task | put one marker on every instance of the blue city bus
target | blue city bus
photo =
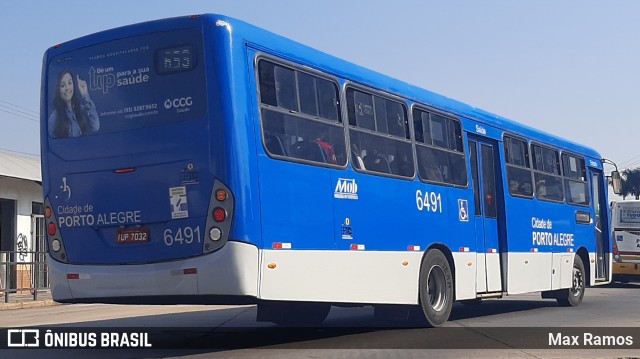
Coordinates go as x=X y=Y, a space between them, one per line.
x=201 y=159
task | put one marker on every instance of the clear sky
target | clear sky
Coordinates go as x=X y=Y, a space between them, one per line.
x=567 y=67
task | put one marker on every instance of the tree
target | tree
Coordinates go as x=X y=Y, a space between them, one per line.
x=631 y=183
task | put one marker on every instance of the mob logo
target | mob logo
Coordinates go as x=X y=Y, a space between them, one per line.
x=346 y=188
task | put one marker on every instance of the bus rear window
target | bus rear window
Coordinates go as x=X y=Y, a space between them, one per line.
x=126 y=84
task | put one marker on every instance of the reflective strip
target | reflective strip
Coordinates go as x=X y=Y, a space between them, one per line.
x=279 y=245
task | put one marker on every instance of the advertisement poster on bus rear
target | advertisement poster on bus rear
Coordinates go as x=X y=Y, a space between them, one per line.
x=126 y=84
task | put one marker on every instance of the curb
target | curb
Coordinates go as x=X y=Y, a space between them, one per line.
x=27 y=304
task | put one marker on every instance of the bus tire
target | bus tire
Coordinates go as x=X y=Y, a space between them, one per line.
x=436 y=288
x=572 y=297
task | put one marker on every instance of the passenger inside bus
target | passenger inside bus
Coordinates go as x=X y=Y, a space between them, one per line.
x=514 y=187
x=308 y=150
x=431 y=170
x=401 y=165
x=330 y=155
x=376 y=161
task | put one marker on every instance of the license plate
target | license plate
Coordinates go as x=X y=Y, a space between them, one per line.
x=132 y=235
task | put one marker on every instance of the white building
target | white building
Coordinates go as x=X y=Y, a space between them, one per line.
x=20 y=199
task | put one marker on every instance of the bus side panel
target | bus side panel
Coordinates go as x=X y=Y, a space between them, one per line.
x=237 y=143
x=522 y=269
x=562 y=273
x=340 y=276
x=465 y=252
x=541 y=236
x=384 y=214
x=465 y=274
x=296 y=204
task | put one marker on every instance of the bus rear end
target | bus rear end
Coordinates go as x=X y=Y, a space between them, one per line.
x=136 y=208
x=626 y=231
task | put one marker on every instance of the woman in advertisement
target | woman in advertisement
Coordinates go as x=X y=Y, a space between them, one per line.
x=74 y=114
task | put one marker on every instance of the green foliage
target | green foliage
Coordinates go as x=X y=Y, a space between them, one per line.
x=631 y=183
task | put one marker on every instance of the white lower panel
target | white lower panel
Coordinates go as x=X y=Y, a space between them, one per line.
x=592 y=268
x=341 y=276
x=562 y=274
x=466 y=268
x=494 y=276
x=233 y=270
x=528 y=272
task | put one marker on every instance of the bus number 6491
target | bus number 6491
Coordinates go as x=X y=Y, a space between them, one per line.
x=429 y=201
x=184 y=235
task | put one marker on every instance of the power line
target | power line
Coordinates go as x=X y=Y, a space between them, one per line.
x=18 y=115
x=20 y=107
x=19 y=111
x=629 y=160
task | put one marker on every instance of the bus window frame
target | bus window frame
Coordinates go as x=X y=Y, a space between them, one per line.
x=299 y=114
x=506 y=164
x=587 y=181
x=449 y=116
x=348 y=128
x=534 y=171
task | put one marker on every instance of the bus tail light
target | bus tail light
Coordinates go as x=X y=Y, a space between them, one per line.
x=616 y=254
x=220 y=217
x=51 y=229
x=219 y=214
x=215 y=234
x=56 y=246
x=54 y=238
x=221 y=195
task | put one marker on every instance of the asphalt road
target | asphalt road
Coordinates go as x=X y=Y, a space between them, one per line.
x=518 y=326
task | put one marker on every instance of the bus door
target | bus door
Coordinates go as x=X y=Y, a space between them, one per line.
x=488 y=202
x=601 y=228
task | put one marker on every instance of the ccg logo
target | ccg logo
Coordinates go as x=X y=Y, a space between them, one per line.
x=178 y=102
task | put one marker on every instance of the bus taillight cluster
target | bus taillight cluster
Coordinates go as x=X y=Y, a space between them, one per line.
x=56 y=247
x=220 y=217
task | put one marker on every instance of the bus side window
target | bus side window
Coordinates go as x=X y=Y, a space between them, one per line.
x=300 y=117
x=379 y=134
x=274 y=145
x=546 y=174
x=439 y=148
x=356 y=155
x=518 y=168
x=308 y=150
x=575 y=180
x=376 y=162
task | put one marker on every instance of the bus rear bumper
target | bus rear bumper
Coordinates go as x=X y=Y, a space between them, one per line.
x=230 y=272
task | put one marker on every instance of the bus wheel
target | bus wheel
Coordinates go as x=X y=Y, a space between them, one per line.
x=572 y=297
x=436 y=288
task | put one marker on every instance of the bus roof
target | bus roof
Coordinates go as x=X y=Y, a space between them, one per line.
x=269 y=42
x=322 y=61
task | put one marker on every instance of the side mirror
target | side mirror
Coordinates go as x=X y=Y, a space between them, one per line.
x=616 y=182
